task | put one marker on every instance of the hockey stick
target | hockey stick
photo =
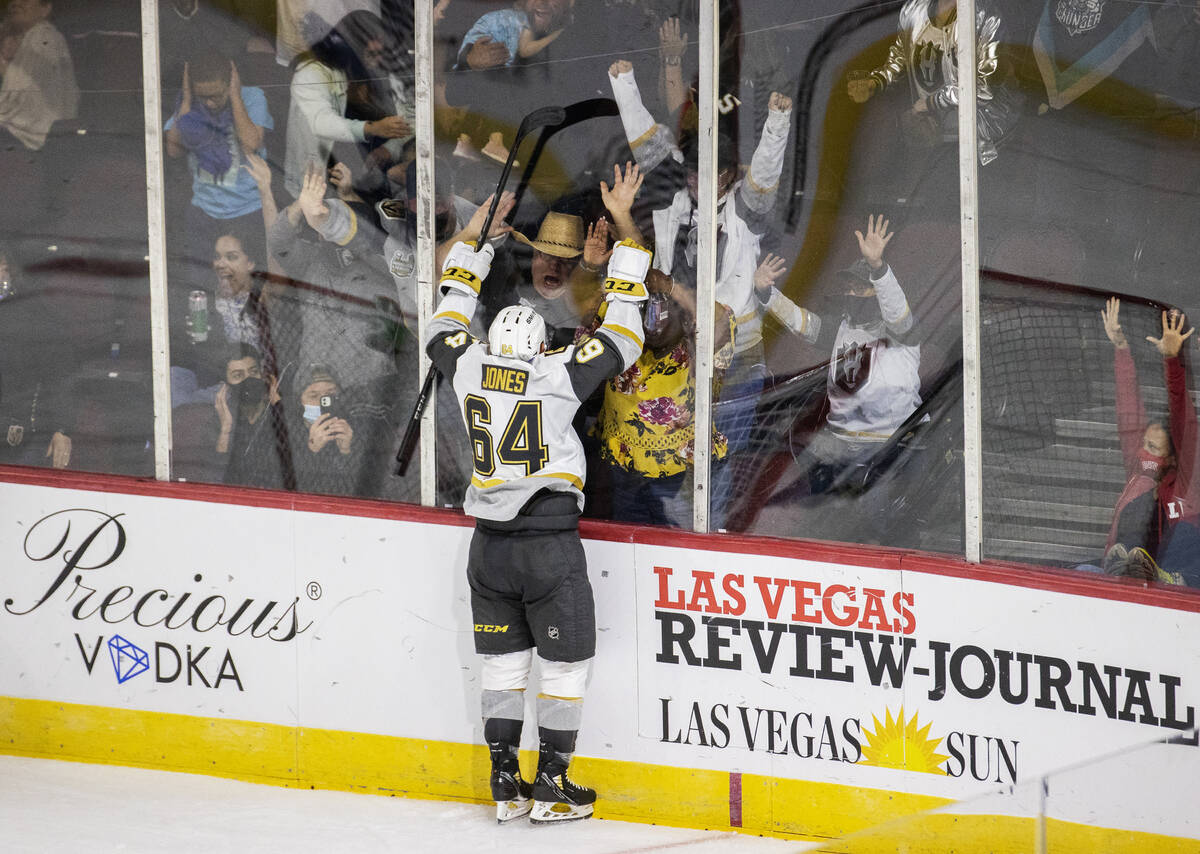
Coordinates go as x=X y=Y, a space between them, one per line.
x=592 y=108
x=539 y=118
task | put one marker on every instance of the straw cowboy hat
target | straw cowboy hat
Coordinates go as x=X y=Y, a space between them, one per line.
x=560 y=235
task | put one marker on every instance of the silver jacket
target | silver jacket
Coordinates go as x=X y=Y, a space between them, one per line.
x=928 y=54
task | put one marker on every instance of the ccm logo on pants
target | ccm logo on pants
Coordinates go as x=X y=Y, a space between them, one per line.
x=480 y=627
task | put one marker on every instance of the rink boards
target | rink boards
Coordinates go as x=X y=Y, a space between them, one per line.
x=771 y=686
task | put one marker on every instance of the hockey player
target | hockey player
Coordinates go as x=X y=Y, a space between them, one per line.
x=526 y=569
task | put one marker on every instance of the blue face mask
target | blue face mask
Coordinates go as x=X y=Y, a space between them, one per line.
x=312 y=412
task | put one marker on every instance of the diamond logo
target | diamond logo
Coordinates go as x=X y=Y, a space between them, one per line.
x=128 y=659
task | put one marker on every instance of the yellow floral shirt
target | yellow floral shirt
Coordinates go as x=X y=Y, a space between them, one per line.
x=645 y=424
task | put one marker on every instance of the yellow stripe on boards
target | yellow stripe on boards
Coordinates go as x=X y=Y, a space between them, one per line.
x=826 y=810
x=630 y=791
x=244 y=750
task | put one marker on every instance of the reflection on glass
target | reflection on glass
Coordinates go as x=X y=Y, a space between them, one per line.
x=293 y=354
x=75 y=387
x=577 y=191
x=1087 y=203
x=1089 y=432
x=838 y=260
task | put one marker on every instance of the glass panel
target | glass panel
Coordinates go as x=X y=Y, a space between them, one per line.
x=1090 y=197
x=75 y=376
x=293 y=346
x=601 y=62
x=840 y=262
x=1135 y=798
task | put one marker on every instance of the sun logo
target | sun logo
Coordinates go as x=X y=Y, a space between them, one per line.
x=900 y=744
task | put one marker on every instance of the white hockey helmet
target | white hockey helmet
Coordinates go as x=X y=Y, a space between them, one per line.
x=518 y=332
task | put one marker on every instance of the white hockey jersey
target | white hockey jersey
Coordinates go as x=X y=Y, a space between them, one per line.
x=874 y=382
x=518 y=414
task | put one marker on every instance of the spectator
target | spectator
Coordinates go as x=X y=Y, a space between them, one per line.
x=556 y=252
x=873 y=385
x=455 y=219
x=327 y=454
x=34 y=380
x=925 y=48
x=646 y=422
x=1161 y=487
x=235 y=288
x=253 y=434
x=188 y=29
x=671 y=186
x=218 y=123
x=38 y=87
x=500 y=37
x=321 y=82
x=336 y=280
x=234 y=316
x=298 y=23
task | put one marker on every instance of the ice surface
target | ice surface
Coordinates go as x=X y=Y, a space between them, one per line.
x=53 y=807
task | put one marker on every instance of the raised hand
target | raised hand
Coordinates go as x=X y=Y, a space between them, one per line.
x=620 y=67
x=595 y=247
x=485 y=53
x=312 y=195
x=624 y=190
x=876 y=240
x=769 y=271
x=235 y=81
x=498 y=226
x=861 y=88
x=672 y=44
x=1173 y=335
x=258 y=168
x=1111 y=315
x=779 y=102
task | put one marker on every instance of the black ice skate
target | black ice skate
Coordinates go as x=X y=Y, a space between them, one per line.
x=555 y=797
x=513 y=796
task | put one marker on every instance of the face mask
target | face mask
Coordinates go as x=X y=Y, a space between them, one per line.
x=312 y=412
x=1151 y=465
x=657 y=314
x=251 y=392
x=860 y=311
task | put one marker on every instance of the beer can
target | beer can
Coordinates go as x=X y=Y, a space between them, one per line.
x=198 y=316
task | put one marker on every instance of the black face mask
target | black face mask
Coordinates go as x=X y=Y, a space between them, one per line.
x=860 y=311
x=250 y=393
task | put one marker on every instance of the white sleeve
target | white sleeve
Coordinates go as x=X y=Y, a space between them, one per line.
x=650 y=142
x=623 y=326
x=799 y=320
x=312 y=96
x=767 y=163
x=454 y=313
x=893 y=305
